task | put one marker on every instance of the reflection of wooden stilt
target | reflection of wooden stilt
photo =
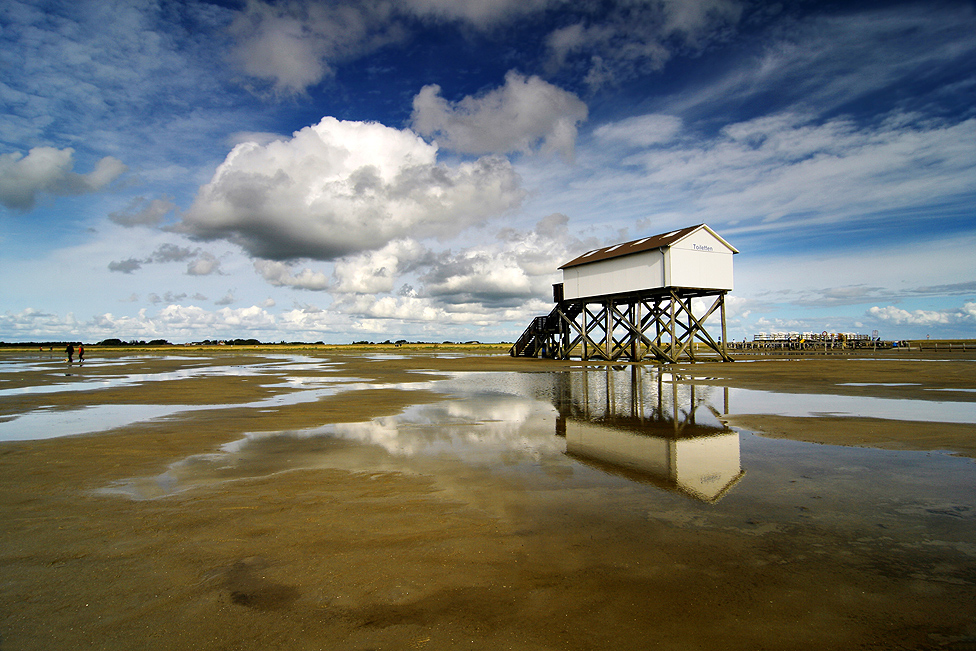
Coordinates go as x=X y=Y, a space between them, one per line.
x=660 y=395
x=636 y=394
x=674 y=403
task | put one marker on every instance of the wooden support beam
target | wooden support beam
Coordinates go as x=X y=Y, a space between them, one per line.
x=632 y=328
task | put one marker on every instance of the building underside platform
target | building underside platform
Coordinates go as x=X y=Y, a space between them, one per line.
x=653 y=326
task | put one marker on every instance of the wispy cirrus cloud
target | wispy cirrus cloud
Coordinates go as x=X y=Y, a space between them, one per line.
x=804 y=64
x=107 y=77
x=789 y=171
x=633 y=39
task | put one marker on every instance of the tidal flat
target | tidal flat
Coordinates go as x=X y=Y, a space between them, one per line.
x=256 y=499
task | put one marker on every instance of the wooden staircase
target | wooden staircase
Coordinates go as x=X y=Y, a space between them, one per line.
x=542 y=333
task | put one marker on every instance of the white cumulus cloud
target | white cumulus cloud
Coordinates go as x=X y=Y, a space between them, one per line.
x=338 y=188
x=377 y=271
x=49 y=170
x=294 y=44
x=281 y=274
x=508 y=277
x=898 y=316
x=525 y=114
x=204 y=265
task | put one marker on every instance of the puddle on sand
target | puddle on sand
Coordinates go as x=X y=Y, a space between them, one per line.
x=614 y=428
x=637 y=451
x=557 y=453
x=751 y=401
x=635 y=429
x=82 y=378
x=616 y=461
x=49 y=422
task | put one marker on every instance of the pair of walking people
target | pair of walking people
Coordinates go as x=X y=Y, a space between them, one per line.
x=70 y=352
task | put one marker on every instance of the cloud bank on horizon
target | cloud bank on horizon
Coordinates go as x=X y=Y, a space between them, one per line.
x=339 y=171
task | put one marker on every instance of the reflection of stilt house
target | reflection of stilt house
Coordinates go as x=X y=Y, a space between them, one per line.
x=645 y=431
x=634 y=301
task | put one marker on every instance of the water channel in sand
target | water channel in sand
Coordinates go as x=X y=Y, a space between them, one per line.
x=639 y=430
x=628 y=448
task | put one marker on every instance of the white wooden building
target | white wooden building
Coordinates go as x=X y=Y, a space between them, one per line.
x=690 y=258
x=636 y=300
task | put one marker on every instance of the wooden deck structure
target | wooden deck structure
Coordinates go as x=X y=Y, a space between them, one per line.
x=639 y=327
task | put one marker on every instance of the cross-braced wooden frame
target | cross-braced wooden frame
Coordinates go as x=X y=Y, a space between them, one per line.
x=639 y=327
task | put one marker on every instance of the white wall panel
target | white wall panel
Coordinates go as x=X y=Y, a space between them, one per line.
x=697 y=261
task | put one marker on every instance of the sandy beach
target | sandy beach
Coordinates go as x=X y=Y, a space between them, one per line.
x=325 y=541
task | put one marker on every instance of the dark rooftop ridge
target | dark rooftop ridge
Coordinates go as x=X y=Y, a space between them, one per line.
x=636 y=246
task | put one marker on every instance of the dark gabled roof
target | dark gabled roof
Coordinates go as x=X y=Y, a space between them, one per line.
x=636 y=246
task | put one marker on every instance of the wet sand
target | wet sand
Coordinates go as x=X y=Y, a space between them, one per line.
x=901 y=376
x=339 y=558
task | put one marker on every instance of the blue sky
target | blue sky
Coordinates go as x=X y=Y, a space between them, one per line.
x=306 y=171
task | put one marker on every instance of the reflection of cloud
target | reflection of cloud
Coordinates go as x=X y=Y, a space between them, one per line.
x=486 y=419
x=472 y=427
x=468 y=428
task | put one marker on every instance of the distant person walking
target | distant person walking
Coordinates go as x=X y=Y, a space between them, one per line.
x=70 y=352
x=81 y=352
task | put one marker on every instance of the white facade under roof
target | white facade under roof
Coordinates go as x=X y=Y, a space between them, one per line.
x=695 y=258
